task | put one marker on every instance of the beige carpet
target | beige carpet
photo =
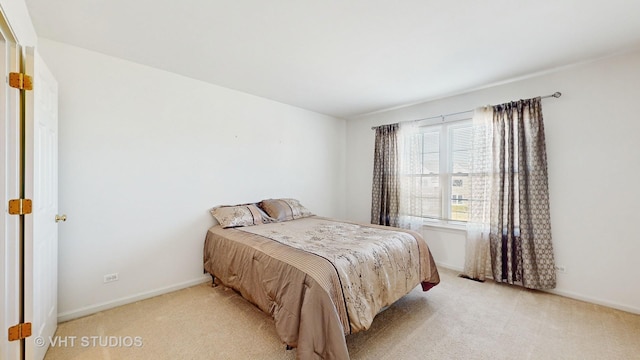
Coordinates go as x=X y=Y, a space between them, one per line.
x=458 y=319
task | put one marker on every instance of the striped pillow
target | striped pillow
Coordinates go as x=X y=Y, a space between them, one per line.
x=284 y=209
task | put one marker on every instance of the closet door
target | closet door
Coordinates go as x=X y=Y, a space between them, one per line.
x=41 y=185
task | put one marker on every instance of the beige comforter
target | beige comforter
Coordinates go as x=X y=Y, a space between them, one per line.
x=320 y=279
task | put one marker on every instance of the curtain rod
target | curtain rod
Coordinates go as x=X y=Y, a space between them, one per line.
x=556 y=95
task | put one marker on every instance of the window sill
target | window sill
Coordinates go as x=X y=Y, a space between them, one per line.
x=443 y=225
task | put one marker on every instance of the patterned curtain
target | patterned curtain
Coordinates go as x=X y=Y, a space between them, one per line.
x=384 y=195
x=519 y=227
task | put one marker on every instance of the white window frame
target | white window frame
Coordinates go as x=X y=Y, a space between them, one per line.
x=446 y=172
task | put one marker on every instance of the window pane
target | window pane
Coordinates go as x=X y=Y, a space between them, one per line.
x=460 y=146
x=431 y=196
x=430 y=163
x=461 y=138
x=431 y=187
x=426 y=161
x=431 y=142
x=460 y=193
x=461 y=161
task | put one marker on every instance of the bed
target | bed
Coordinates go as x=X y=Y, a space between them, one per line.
x=319 y=278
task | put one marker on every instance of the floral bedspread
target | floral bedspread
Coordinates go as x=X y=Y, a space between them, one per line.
x=376 y=266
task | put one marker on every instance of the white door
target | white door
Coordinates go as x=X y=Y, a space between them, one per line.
x=9 y=189
x=41 y=185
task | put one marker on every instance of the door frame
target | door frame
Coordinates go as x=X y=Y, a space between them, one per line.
x=11 y=251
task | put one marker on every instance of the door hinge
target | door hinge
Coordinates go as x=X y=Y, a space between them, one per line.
x=20 y=206
x=20 y=331
x=20 y=81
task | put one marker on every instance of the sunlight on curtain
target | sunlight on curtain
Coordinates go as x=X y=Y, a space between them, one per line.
x=477 y=264
x=410 y=164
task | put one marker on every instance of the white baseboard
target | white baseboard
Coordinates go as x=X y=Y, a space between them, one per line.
x=596 y=301
x=88 y=310
x=92 y=309
x=569 y=294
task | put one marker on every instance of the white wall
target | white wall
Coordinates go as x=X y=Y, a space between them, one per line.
x=594 y=167
x=144 y=154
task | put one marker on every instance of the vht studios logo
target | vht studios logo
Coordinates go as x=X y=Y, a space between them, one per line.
x=90 y=341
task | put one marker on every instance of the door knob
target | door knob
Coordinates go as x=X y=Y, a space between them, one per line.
x=62 y=217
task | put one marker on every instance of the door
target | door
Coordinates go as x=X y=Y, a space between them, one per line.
x=10 y=298
x=41 y=185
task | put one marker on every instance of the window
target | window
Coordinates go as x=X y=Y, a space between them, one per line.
x=439 y=171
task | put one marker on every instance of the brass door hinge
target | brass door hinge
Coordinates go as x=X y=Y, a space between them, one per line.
x=20 y=206
x=20 y=331
x=20 y=81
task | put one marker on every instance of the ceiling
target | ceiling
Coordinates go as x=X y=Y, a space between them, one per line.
x=345 y=57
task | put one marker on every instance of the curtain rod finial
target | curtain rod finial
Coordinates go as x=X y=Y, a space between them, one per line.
x=557 y=94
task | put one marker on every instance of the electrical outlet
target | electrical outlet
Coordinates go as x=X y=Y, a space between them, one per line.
x=110 y=278
x=560 y=268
